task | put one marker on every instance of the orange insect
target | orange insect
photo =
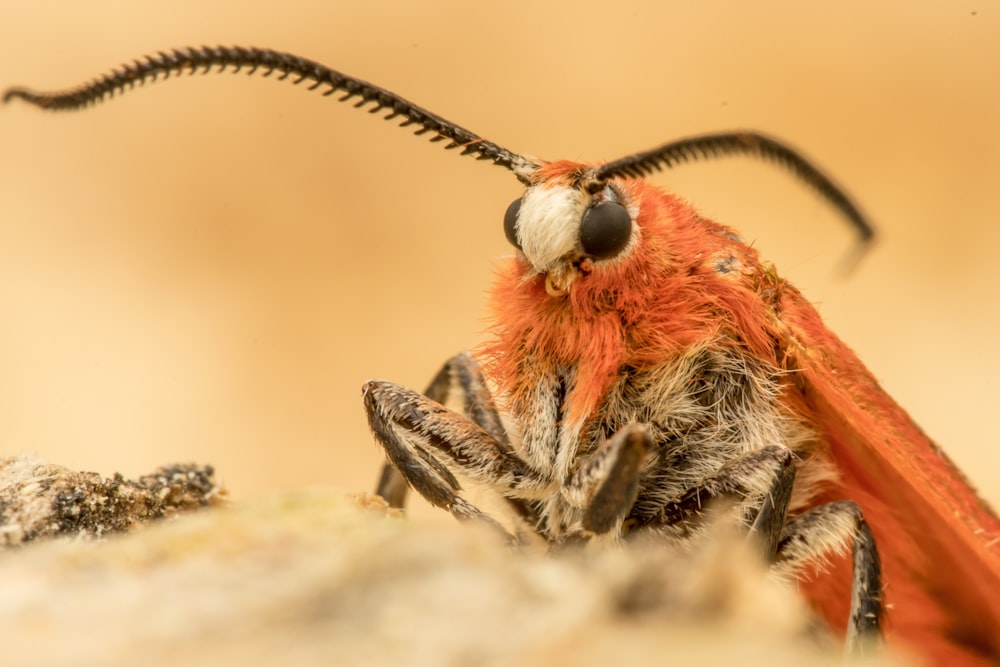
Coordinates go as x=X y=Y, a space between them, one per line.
x=646 y=362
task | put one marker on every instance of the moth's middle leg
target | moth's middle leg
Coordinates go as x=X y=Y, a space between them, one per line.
x=789 y=544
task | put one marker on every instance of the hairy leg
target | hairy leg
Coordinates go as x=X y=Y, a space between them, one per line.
x=790 y=544
x=459 y=375
x=826 y=530
x=425 y=441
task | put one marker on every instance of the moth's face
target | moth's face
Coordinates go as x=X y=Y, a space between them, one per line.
x=564 y=232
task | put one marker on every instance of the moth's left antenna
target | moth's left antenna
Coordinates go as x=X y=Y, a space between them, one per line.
x=266 y=62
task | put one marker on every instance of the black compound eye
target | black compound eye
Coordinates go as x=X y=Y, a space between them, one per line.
x=510 y=222
x=605 y=229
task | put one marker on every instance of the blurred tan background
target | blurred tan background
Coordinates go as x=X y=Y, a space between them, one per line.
x=209 y=269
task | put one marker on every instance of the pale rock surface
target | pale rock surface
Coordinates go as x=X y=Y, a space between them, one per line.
x=318 y=577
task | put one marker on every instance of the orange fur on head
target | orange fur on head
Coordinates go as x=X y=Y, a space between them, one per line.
x=660 y=299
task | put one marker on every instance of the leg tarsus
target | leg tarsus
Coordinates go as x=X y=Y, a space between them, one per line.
x=466 y=511
x=864 y=628
x=392 y=486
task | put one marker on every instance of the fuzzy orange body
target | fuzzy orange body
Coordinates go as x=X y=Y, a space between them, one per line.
x=689 y=280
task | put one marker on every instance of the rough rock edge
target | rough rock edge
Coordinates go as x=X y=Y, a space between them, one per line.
x=40 y=500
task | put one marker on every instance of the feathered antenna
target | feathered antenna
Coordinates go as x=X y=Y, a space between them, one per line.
x=735 y=143
x=267 y=61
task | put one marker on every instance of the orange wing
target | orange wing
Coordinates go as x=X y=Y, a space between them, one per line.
x=939 y=542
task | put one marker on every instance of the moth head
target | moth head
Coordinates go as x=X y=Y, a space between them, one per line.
x=568 y=224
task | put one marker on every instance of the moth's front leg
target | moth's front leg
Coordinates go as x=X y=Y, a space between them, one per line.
x=425 y=442
x=461 y=376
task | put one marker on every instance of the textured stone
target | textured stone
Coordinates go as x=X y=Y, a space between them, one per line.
x=317 y=577
x=38 y=499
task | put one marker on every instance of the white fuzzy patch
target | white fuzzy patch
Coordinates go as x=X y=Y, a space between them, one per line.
x=548 y=226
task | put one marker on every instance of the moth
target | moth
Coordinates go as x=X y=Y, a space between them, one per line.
x=644 y=364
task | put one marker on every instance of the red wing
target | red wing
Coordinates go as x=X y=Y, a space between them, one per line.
x=939 y=542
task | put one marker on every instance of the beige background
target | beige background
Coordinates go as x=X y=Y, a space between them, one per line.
x=209 y=269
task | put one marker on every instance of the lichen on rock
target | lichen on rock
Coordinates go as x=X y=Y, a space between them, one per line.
x=40 y=500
